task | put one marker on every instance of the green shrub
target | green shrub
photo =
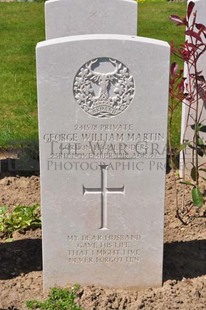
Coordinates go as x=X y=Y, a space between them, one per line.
x=21 y=219
x=58 y=299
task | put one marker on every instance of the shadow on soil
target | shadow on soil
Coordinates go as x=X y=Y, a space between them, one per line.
x=184 y=259
x=10 y=308
x=18 y=167
x=21 y=160
x=22 y=256
x=181 y=259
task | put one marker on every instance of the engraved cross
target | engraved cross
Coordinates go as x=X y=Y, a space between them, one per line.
x=104 y=191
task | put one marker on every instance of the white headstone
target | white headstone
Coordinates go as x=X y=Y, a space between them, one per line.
x=103 y=131
x=188 y=134
x=76 y=17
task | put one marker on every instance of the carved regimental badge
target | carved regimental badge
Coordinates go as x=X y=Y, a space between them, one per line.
x=103 y=87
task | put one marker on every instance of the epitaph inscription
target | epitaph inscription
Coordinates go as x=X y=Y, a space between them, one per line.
x=107 y=248
x=104 y=190
x=104 y=87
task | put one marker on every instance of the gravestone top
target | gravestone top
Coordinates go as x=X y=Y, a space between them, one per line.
x=78 y=17
x=103 y=171
x=103 y=37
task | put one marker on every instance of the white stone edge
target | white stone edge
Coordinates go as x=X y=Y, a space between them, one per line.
x=102 y=37
x=130 y=1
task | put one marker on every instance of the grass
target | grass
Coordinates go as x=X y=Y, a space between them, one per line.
x=22 y=26
x=154 y=23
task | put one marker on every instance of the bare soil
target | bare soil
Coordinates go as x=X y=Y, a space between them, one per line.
x=184 y=280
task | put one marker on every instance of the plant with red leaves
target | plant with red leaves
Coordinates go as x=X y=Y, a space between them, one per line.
x=192 y=92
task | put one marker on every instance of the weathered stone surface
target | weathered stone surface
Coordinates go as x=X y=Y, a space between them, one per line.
x=76 y=17
x=103 y=123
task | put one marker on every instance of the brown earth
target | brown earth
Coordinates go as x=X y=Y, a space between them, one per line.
x=184 y=280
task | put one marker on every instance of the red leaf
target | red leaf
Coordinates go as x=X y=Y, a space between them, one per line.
x=185 y=21
x=201 y=78
x=172 y=48
x=199 y=72
x=174 y=68
x=193 y=34
x=176 y=19
x=193 y=47
x=185 y=54
x=200 y=26
x=190 y=8
x=181 y=86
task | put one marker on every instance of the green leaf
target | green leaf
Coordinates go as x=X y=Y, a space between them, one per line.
x=194 y=174
x=3 y=210
x=191 y=146
x=197 y=197
x=202 y=128
x=183 y=146
x=63 y=299
x=20 y=219
x=200 y=142
x=9 y=240
x=2 y=227
x=200 y=151
x=199 y=127
x=194 y=126
x=187 y=183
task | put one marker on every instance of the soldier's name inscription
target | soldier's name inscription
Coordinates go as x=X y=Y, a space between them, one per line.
x=103 y=141
x=127 y=145
x=103 y=132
